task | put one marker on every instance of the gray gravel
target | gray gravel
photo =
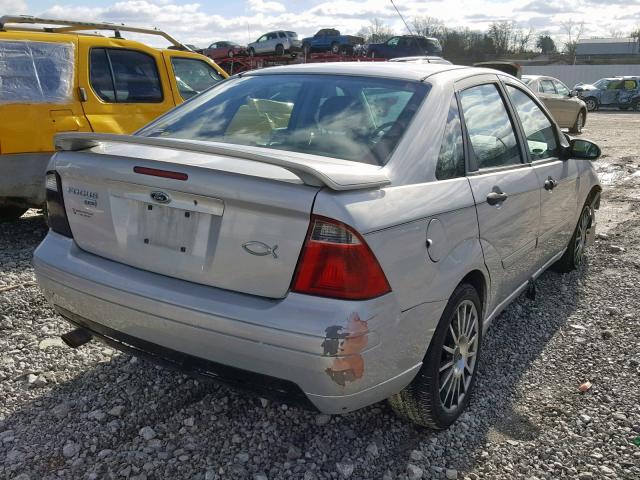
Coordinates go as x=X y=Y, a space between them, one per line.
x=94 y=413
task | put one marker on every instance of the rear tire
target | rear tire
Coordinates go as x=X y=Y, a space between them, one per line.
x=449 y=367
x=279 y=50
x=579 y=123
x=574 y=254
x=11 y=213
x=335 y=48
x=592 y=104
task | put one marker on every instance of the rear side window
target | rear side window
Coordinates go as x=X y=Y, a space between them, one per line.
x=451 y=158
x=547 y=86
x=124 y=76
x=490 y=130
x=630 y=85
x=540 y=132
x=36 y=72
x=193 y=76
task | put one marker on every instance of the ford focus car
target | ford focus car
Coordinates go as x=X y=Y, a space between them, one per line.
x=339 y=234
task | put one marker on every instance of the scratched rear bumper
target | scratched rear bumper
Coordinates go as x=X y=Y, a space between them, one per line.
x=343 y=355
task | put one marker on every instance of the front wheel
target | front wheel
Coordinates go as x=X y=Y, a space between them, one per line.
x=252 y=52
x=440 y=391
x=579 y=123
x=11 y=213
x=592 y=104
x=335 y=48
x=279 y=50
x=574 y=255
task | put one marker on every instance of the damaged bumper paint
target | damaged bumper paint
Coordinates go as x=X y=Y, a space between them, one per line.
x=342 y=354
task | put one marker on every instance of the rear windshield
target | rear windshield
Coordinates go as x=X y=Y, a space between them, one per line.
x=526 y=80
x=353 y=118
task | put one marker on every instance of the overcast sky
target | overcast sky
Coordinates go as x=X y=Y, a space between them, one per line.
x=243 y=21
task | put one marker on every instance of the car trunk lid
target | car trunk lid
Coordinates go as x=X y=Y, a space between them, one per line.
x=212 y=218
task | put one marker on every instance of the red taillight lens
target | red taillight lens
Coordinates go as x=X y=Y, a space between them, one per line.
x=336 y=262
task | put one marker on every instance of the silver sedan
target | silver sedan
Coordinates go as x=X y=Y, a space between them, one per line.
x=338 y=234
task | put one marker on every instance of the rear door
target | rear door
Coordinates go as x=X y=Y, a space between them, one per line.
x=557 y=178
x=505 y=187
x=126 y=86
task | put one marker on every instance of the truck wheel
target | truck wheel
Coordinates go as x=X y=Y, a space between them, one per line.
x=335 y=48
x=10 y=213
x=440 y=391
x=592 y=104
x=279 y=50
x=346 y=50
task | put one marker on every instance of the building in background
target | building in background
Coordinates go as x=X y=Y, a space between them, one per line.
x=608 y=47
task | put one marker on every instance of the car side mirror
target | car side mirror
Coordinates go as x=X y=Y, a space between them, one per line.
x=583 y=149
x=573 y=93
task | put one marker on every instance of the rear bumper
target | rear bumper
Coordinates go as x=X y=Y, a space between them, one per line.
x=22 y=178
x=342 y=355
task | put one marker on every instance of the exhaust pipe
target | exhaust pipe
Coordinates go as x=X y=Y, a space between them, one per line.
x=76 y=338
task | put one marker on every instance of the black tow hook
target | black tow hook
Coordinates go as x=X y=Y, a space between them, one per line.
x=76 y=338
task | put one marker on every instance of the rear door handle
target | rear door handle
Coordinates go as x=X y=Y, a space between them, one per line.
x=550 y=184
x=496 y=198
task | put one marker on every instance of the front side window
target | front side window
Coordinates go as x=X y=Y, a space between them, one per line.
x=193 y=76
x=489 y=128
x=561 y=88
x=540 y=132
x=451 y=158
x=393 y=42
x=124 y=76
x=353 y=118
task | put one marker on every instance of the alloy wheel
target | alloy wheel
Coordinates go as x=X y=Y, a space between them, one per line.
x=459 y=355
x=581 y=237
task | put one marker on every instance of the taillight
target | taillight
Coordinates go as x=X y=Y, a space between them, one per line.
x=336 y=262
x=57 y=216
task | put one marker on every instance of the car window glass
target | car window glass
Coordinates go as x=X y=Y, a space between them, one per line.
x=614 y=85
x=393 y=42
x=630 y=85
x=282 y=35
x=540 y=132
x=262 y=38
x=326 y=115
x=135 y=76
x=547 y=86
x=489 y=127
x=193 y=76
x=272 y=36
x=100 y=75
x=451 y=158
x=561 y=88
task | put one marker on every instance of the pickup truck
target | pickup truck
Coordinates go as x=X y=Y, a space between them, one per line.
x=330 y=40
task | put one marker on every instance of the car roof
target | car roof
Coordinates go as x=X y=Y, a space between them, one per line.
x=398 y=70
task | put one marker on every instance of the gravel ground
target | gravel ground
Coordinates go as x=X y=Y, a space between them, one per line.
x=94 y=413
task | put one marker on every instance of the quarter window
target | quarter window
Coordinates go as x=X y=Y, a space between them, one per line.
x=451 y=158
x=540 y=132
x=489 y=127
x=124 y=76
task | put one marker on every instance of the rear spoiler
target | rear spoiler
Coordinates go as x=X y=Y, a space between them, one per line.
x=312 y=169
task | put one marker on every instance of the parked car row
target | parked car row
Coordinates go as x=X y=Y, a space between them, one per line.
x=330 y=40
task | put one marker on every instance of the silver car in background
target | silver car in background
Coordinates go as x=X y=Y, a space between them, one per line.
x=568 y=110
x=339 y=233
x=279 y=42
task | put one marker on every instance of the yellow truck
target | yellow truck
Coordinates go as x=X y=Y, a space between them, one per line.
x=55 y=76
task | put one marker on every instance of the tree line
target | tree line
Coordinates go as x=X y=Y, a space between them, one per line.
x=504 y=38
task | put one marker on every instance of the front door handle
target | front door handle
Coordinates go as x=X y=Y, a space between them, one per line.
x=550 y=184
x=496 y=198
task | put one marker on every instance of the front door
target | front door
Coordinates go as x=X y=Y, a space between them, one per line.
x=505 y=188
x=557 y=178
x=124 y=88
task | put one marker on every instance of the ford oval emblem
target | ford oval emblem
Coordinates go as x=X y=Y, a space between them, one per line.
x=160 y=197
x=260 y=249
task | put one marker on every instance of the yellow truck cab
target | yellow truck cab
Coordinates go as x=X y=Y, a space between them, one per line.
x=58 y=78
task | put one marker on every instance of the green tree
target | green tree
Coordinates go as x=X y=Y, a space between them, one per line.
x=545 y=44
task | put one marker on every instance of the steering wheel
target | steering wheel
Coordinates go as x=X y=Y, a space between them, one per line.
x=381 y=129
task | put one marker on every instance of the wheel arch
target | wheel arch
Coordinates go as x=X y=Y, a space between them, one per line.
x=476 y=278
